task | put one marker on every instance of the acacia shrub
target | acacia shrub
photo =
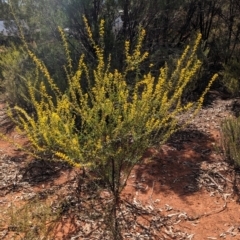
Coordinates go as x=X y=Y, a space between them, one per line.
x=107 y=125
x=15 y=67
x=117 y=121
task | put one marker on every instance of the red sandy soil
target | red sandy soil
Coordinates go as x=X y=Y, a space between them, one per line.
x=184 y=189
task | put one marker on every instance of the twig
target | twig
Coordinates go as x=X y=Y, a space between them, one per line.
x=152 y=203
x=226 y=179
x=219 y=188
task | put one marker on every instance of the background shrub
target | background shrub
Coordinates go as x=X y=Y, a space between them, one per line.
x=15 y=68
x=231 y=79
x=231 y=139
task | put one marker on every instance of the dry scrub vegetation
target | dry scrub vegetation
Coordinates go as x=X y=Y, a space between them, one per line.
x=86 y=173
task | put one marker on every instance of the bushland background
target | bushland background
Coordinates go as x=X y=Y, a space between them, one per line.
x=169 y=25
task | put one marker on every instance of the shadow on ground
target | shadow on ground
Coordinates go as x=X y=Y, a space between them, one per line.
x=176 y=166
x=38 y=171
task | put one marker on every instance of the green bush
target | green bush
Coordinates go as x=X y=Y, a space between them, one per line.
x=231 y=139
x=15 y=68
x=231 y=80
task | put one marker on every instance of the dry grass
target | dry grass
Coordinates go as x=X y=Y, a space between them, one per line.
x=33 y=219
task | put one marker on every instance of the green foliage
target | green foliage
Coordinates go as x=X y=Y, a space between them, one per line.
x=231 y=138
x=4 y=10
x=15 y=67
x=17 y=71
x=43 y=18
x=231 y=79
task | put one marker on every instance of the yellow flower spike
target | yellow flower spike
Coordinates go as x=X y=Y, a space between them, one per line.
x=89 y=32
x=107 y=139
x=101 y=28
x=67 y=159
x=66 y=48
